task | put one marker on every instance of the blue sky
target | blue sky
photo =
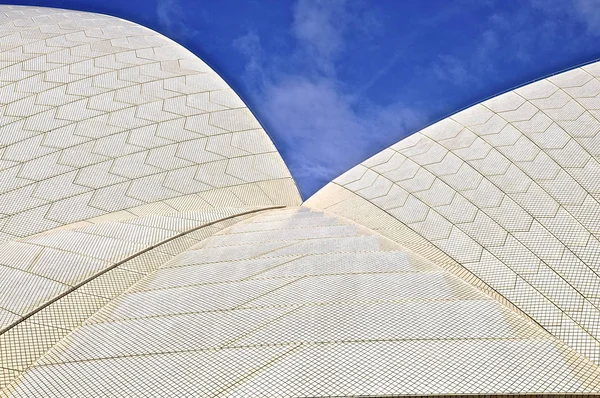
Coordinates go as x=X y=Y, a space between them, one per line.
x=335 y=81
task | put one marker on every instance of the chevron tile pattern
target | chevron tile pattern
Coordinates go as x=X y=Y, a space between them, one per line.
x=301 y=302
x=99 y=115
x=43 y=326
x=509 y=189
x=50 y=264
x=114 y=141
x=152 y=241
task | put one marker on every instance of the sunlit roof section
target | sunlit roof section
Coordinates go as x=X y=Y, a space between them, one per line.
x=153 y=242
x=294 y=302
x=508 y=190
x=100 y=115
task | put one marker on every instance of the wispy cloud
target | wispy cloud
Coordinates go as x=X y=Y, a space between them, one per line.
x=323 y=129
x=249 y=45
x=173 y=19
x=451 y=68
x=316 y=28
x=169 y=12
x=589 y=12
x=586 y=12
x=522 y=37
x=320 y=28
x=324 y=132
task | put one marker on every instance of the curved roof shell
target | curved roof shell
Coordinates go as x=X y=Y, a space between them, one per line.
x=508 y=193
x=99 y=115
x=114 y=140
x=145 y=251
x=294 y=302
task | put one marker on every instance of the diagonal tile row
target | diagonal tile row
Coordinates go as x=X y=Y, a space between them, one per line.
x=35 y=270
x=309 y=304
x=23 y=343
x=99 y=115
x=508 y=189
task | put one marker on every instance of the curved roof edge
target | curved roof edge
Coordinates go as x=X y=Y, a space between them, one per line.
x=102 y=115
x=509 y=190
x=499 y=93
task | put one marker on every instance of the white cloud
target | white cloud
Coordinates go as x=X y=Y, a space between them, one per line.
x=319 y=27
x=172 y=18
x=589 y=12
x=451 y=68
x=322 y=129
x=323 y=133
x=520 y=37
x=168 y=12
x=586 y=12
x=249 y=45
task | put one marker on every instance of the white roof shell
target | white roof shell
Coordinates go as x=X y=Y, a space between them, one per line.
x=508 y=191
x=145 y=252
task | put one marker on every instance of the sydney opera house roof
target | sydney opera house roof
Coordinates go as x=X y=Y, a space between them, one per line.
x=153 y=242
